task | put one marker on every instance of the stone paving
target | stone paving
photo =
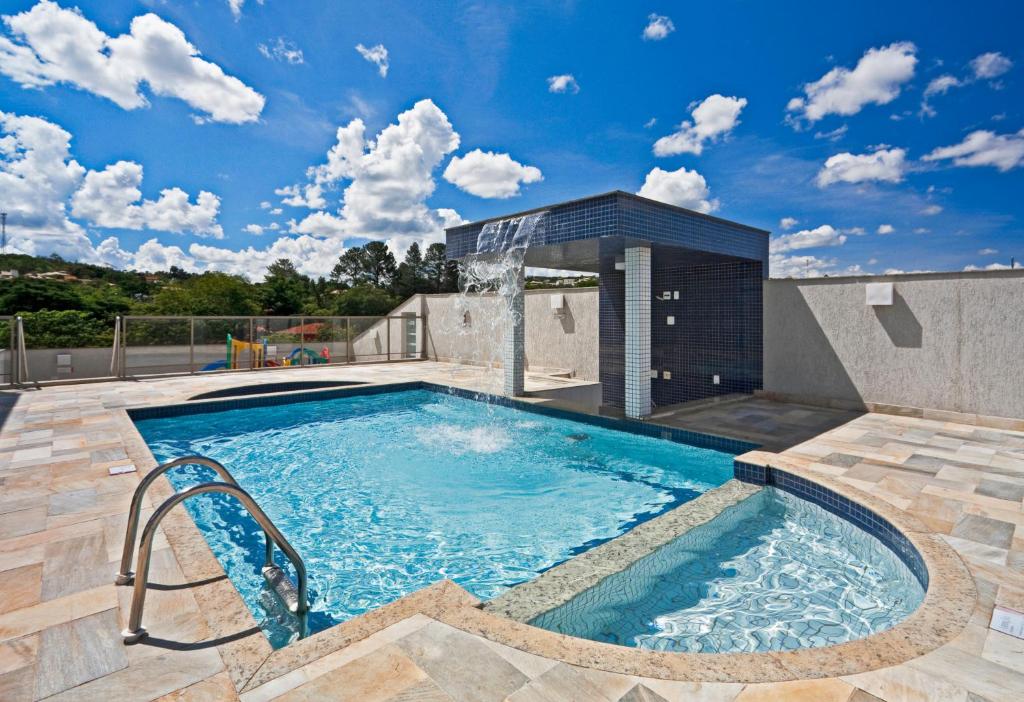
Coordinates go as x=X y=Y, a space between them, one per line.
x=62 y=516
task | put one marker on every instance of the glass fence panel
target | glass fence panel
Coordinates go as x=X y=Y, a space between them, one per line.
x=64 y=345
x=368 y=339
x=225 y=343
x=326 y=340
x=157 y=345
x=280 y=339
x=6 y=350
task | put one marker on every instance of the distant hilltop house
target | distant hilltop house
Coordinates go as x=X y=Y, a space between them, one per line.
x=52 y=275
x=8 y=275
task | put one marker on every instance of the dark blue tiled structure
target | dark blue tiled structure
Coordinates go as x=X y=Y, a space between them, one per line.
x=714 y=265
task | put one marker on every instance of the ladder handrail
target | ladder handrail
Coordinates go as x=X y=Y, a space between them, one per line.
x=135 y=631
x=125 y=575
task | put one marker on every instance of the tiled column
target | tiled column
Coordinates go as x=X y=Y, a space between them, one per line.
x=638 y=332
x=513 y=356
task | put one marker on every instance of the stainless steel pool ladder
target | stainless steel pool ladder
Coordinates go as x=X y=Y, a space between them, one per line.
x=294 y=598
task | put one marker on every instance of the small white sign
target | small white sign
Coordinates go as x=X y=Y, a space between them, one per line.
x=879 y=294
x=667 y=375
x=1008 y=621
x=670 y=321
x=121 y=470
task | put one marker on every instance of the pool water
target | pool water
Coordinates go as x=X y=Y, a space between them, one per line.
x=773 y=573
x=385 y=494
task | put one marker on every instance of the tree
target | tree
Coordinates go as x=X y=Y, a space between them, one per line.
x=364 y=300
x=441 y=274
x=284 y=291
x=372 y=264
x=411 y=276
x=28 y=295
x=206 y=294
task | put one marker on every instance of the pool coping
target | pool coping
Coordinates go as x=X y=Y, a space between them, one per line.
x=251 y=661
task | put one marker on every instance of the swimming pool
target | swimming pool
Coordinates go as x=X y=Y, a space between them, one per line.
x=383 y=494
x=774 y=572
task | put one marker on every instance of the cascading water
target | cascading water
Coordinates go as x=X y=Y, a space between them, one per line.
x=484 y=331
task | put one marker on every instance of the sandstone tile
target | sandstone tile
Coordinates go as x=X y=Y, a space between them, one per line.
x=215 y=689
x=19 y=653
x=25 y=521
x=376 y=677
x=984 y=530
x=21 y=587
x=459 y=665
x=18 y=685
x=79 y=651
x=74 y=564
x=29 y=620
x=563 y=683
x=148 y=680
x=825 y=690
x=642 y=693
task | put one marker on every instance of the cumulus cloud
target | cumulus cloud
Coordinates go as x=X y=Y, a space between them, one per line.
x=994 y=267
x=491 y=175
x=682 y=188
x=885 y=165
x=282 y=50
x=658 y=27
x=988 y=252
x=825 y=235
x=377 y=55
x=42 y=187
x=564 y=83
x=886 y=229
x=713 y=118
x=984 y=148
x=54 y=45
x=932 y=210
x=310 y=196
x=391 y=177
x=254 y=229
x=990 y=65
x=787 y=223
x=807 y=266
x=876 y=79
x=112 y=198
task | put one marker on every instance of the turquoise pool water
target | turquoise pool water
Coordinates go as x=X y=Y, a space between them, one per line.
x=385 y=494
x=773 y=573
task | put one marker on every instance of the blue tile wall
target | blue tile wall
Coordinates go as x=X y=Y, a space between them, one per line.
x=841 y=506
x=717 y=330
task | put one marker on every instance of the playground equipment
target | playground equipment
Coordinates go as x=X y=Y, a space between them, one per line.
x=259 y=358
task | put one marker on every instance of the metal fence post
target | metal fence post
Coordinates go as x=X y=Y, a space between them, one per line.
x=387 y=321
x=252 y=341
x=192 y=345
x=302 y=341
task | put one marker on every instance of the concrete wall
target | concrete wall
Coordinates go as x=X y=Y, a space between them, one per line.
x=567 y=342
x=950 y=341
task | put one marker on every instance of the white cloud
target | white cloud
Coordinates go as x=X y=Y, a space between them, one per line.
x=988 y=252
x=111 y=198
x=491 y=175
x=942 y=85
x=825 y=235
x=994 y=267
x=833 y=135
x=650 y=123
x=564 y=83
x=276 y=211
x=310 y=196
x=984 y=148
x=266 y=205
x=787 y=223
x=282 y=50
x=990 y=65
x=876 y=79
x=61 y=46
x=391 y=178
x=887 y=165
x=377 y=55
x=254 y=229
x=886 y=229
x=806 y=266
x=932 y=210
x=658 y=27
x=714 y=117
x=682 y=188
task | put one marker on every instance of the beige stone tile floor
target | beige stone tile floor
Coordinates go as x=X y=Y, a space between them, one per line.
x=62 y=517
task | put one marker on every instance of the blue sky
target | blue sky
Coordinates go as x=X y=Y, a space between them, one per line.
x=866 y=136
